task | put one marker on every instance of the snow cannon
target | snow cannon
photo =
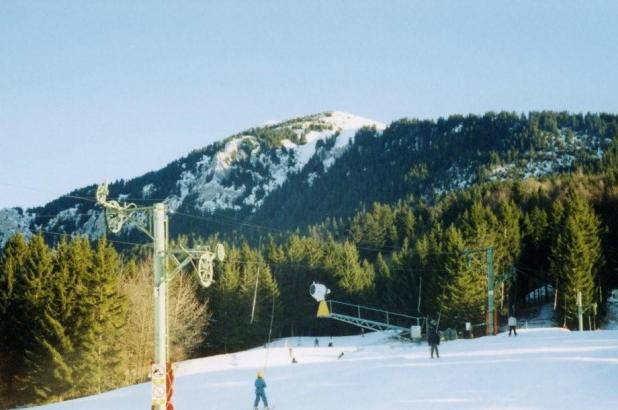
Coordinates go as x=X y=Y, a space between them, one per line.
x=319 y=293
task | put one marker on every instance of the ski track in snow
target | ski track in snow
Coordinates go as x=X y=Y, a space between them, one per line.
x=541 y=368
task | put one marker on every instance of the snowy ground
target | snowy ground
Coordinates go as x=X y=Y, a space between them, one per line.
x=541 y=368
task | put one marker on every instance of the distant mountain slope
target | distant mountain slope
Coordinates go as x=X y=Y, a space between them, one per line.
x=429 y=158
x=303 y=170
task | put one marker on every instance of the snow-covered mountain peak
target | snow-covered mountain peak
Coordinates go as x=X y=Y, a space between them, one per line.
x=319 y=126
x=263 y=158
x=344 y=121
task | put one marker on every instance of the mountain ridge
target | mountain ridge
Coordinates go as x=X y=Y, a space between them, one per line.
x=303 y=170
x=205 y=175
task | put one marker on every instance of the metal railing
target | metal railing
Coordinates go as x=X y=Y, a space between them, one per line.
x=372 y=318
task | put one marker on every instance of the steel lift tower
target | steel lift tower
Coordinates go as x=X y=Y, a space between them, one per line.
x=153 y=222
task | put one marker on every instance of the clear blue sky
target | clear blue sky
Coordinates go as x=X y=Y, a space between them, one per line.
x=95 y=90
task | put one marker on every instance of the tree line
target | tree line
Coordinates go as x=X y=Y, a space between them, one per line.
x=76 y=317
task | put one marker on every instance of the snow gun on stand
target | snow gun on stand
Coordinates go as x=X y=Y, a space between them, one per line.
x=362 y=316
x=319 y=293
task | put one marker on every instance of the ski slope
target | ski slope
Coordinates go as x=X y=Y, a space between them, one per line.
x=541 y=368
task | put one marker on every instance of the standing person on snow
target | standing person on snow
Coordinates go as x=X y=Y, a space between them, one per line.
x=433 y=338
x=512 y=325
x=260 y=385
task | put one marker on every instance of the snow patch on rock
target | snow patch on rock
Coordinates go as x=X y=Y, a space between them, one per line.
x=147 y=190
x=13 y=220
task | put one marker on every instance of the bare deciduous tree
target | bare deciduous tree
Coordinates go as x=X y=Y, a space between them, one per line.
x=187 y=319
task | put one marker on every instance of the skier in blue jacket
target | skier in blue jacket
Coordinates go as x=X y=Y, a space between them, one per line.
x=260 y=385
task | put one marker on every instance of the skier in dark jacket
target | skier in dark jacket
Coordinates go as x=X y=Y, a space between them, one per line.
x=433 y=338
x=260 y=385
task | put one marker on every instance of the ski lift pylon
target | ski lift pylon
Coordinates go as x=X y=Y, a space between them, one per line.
x=205 y=271
x=115 y=214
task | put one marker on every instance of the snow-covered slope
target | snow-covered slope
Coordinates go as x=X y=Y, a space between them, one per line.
x=539 y=369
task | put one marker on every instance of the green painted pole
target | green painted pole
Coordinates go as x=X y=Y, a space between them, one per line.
x=160 y=289
x=580 y=311
x=490 y=291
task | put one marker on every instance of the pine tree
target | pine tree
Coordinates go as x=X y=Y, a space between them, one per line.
x=72 y=262
x=375 y=229
x=482 y=228
x=341 y=262
x=431 y=255
x=576 y=256
x=42 y=337
x=103 y=324
x=508 y=243
x=12 y=273
x=58 y=343
x=226 y=303
x=403 y=286
x=535 y=235
x=383 y=277
x=303 y=264
x=405 y=223
x=610 y=162
x=509 y=232
x=464 y=298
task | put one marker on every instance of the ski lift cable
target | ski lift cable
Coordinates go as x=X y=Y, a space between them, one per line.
x=94 y=200
x=257 y=279
x=270 y=331
x=232 y=221
x=29 y=188
x=259 y=227
x=528 y=272
x=412 y=269
x=108 y=240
